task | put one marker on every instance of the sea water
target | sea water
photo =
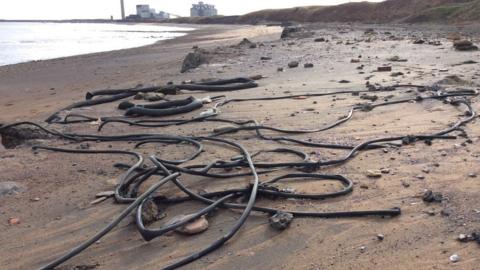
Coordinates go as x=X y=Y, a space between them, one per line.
x=28 y=41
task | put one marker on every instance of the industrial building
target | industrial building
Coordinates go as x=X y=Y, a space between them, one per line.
x=203 y=10
x=145 y=12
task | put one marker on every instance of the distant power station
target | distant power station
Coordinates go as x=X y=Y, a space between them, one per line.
x=203 y=10
x=145 y=13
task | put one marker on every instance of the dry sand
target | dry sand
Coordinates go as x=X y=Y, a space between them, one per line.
x=421 y=238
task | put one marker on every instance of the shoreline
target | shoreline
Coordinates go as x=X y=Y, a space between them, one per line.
x=184 y=31
x=61 y=78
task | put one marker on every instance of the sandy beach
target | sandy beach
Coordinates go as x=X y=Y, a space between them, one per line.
x=54 y=208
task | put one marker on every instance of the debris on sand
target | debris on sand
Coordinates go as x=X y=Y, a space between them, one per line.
x=308 y=65
x=281 y=220
x=195 y=227
x=453 y=80
x=14 y=136
x=10 y=188
x=194 y=60
x=320 y=40
x=293 y=64
x=455 y=258
x=295 y=32
x=396 y=58
x=150 y=212
x=246 y=43
x=13 y=221
x=384 y=69
x=430 y=197
x=374 y=173
x=464 y=45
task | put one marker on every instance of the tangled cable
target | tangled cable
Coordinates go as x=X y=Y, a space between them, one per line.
x=127 y=191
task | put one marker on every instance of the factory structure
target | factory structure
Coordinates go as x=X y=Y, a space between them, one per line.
x=145 y=13
x=203 y=10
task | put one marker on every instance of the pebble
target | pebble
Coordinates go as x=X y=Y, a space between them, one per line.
x=281 y=220
x=13 y=221
x=153 y=96
x=344 y=81
x=195 y=227
x=380 y=237
x=405 y=184
x=420 y=177
x=374 y=173
x=472 y=175
x=293 y=64
x=455 y=258
x=430 y=196
x=363 y=249
x=149 y=212
x=308 y=65
x=463 y=238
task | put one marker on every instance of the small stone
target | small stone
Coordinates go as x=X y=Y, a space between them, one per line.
x=13 y=221
x=293 y=64
x=455 y=258
x=149 y=212
x=355 y=60
x=153 y=96
x=374 y=173
x=420 y=177
x=308 y=65
x=280 y=69
x=319 y=40
x=396 y=74
x=446 y=212
x=281 y=220
x=265 y=58
x=385 y=171
x=380 y=237
x=107 y=194
x=195 y=227
x=344 y=81
x=472 y=175
x=430 y=196
x=364 y=186
x=124 y=105
x=363 y=249
x=463 y=238
x=405 y=184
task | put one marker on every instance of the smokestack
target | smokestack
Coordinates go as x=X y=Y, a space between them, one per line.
x=123 y=9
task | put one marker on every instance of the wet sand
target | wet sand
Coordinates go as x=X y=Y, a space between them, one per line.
x=420 y=238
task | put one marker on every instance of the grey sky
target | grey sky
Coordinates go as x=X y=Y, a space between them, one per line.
x=88 y=9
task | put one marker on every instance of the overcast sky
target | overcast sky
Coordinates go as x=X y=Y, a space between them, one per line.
x=90 y=9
